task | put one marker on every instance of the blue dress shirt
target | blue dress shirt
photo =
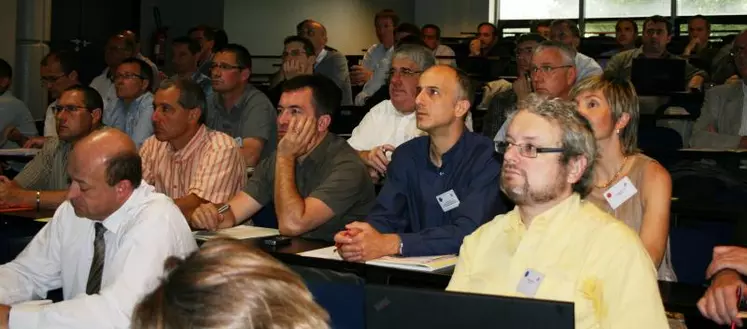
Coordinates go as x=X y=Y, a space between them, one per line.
x=134 y=120
x=408 y=205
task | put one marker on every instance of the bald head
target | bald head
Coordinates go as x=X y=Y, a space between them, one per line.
x=315 y=32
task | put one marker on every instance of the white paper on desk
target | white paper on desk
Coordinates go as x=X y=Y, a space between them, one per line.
x=19 y=152
x=422 y=264
x=43 y=220
x=714 y=150
x=240 y=232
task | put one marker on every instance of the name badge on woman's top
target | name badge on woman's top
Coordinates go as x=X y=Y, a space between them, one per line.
x=620 y=192
x=448 y=200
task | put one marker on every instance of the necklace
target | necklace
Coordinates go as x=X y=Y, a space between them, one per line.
x=614 y=178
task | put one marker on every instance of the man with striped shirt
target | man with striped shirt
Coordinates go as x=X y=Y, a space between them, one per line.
x=184 y=159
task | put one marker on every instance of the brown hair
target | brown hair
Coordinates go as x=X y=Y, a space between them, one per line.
x=228 y=284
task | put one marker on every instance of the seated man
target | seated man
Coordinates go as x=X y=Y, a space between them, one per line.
x=553 y=245
x=566 y=32
x=328 y=61
x=44 y=180
x=722 y=122
x=104 y=247
x=15 y=113
x=185 y=52
x=316 y=181
x=185 y=160
x=439 y=188
x=238 y=272
x=132 y=111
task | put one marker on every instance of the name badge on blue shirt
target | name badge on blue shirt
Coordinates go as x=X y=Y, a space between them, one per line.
x=239 y=141
x=448 y=200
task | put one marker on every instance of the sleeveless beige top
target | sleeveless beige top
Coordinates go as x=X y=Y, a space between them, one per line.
x=631 y=211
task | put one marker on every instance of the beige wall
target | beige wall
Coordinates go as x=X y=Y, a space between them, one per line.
x=8 y=31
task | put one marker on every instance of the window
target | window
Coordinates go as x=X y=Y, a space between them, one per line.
x=606 y=28
x=711 y=7
x=538 y=9
x=630 y=8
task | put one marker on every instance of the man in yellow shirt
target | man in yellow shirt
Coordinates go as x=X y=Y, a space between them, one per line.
x=554 y=245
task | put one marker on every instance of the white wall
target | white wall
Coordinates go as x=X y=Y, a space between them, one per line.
x=452 y=16
x=8 y=31
x=261 y=26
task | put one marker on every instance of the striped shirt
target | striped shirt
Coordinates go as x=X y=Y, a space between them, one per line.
x=47 y=171
x=209 y=166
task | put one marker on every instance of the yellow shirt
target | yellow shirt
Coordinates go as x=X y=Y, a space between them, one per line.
x=586 y=256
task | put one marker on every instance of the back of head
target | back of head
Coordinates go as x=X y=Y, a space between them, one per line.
x=408 y=28
x=326 y=95
x=411 y=40
x=192 y=45
x=243 y=57
x=221 y=38
x=229 y=285
x=207 y=32
x=565 y=23
x=417 y=53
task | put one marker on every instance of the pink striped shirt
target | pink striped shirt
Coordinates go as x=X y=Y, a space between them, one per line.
x=209 y=166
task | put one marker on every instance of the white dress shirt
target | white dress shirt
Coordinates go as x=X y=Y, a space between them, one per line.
x=105 y=86
x=383 y=124
x=443 y=50
x=146 y=230
x=743 y=128
x=50 y=121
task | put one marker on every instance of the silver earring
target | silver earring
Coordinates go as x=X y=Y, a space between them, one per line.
x=617 y=131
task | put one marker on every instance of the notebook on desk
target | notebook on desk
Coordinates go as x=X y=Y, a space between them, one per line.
x=240 y=232
x=421 y=264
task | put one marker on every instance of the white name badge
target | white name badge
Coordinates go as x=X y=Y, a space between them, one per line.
x=620 y=192
x=239 y=141
x=529 y=284
x=448 y=200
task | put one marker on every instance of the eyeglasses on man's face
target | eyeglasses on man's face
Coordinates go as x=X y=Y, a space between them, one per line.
x=526 y=150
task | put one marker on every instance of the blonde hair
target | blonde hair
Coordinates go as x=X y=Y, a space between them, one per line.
x=229 y=285
x=622 y=98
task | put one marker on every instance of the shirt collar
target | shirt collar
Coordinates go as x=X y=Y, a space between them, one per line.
x=240 y=103
x=135 y=102
x=320 y=57
x=452 y=154
x=115 y=221
x=556 y=214
x=319 y=153
x=192 y=146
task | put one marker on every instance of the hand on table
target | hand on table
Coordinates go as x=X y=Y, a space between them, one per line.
x=361 y=242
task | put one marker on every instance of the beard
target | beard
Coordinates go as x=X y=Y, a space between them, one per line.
x=524 y=193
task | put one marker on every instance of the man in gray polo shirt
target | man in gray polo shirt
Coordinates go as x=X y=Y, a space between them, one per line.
x=13 y=112
x=239 y=109
x=316 y=181
x=44 y=181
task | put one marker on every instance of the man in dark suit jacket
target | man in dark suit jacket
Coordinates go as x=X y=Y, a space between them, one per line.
x=329 y=62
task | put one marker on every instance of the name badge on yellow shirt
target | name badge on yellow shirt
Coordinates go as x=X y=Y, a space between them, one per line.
x=448 y=200
x=531 y=281
x=620 y=192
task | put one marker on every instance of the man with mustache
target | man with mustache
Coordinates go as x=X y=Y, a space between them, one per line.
x=239 y=109
x=553 y=245
x=44 y=181
x=184 y=159
x=439 y=187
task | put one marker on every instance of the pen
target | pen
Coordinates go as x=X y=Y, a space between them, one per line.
x=224 y=208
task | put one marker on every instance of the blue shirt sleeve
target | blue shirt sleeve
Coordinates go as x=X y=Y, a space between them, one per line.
x=389 y=215
x=144 y=126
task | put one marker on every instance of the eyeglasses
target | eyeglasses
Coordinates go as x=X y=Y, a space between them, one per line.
x=127 y=76
x=547 y=68
x=225 y=66
x=407 y=73
x=526 y=150
x=293 y=52
x=51 y=79
x=67 y=108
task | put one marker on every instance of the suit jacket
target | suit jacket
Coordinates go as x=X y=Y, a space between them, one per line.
x=720 y=118
x=335 y=66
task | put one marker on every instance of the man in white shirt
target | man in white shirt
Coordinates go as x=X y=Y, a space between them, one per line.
x=432 y=39
x=392 y=122
x=118 y=48
x=105 y=246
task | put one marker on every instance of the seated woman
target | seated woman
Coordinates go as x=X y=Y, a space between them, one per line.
x=228 y=284
x=629 y=185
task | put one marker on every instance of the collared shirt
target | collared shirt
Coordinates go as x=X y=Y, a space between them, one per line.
x=201 y=80
x=444 y=50
x=377 y=80
x=586 y=256
x=15 y=113
x=140 y=235
x=383 y=124
x=332 y=173
x=104 y=84
x=320 y=57
x=743 y=127
x=253 y=116
x=133 y=119
x=586 y=67
x=374 y=55
x=50 y=121
x=409 y=205
x=209 y=166
x=47 y=171
x=622 y=64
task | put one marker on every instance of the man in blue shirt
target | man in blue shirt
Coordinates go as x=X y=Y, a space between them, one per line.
x=134 y=107
x=439 y=188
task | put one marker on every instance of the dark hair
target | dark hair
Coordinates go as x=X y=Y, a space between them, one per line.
x=325 y=94
x=635 y=25
x=191 y=95
x=5 y=70
x=308 y=47
x=124 y=166
x=495 y=29
x=708 y=24
x=387 y=13
x=408 y=28
x=129 y=43
x=192 y=44
x=411 y=40
x=432 y=26
x=207 y=32
x=146 y=72
x=301 y=25
x=68 y=60
x=221 y=38
x=466 y=86
x=537 y=24
x=569 y=24
x=530 y=37
x=658 y=19
x=91 y=98
x=243 y=57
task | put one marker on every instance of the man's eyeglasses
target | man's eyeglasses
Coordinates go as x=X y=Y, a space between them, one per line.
x=51 y=79
x=407 y=73
x=128 y=76
x=67 y=108
x=526 y=150
x=293 y=52
x=225 y=66
x=547 y=68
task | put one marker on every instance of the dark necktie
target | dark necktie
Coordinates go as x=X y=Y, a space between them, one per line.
x=97 y=263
